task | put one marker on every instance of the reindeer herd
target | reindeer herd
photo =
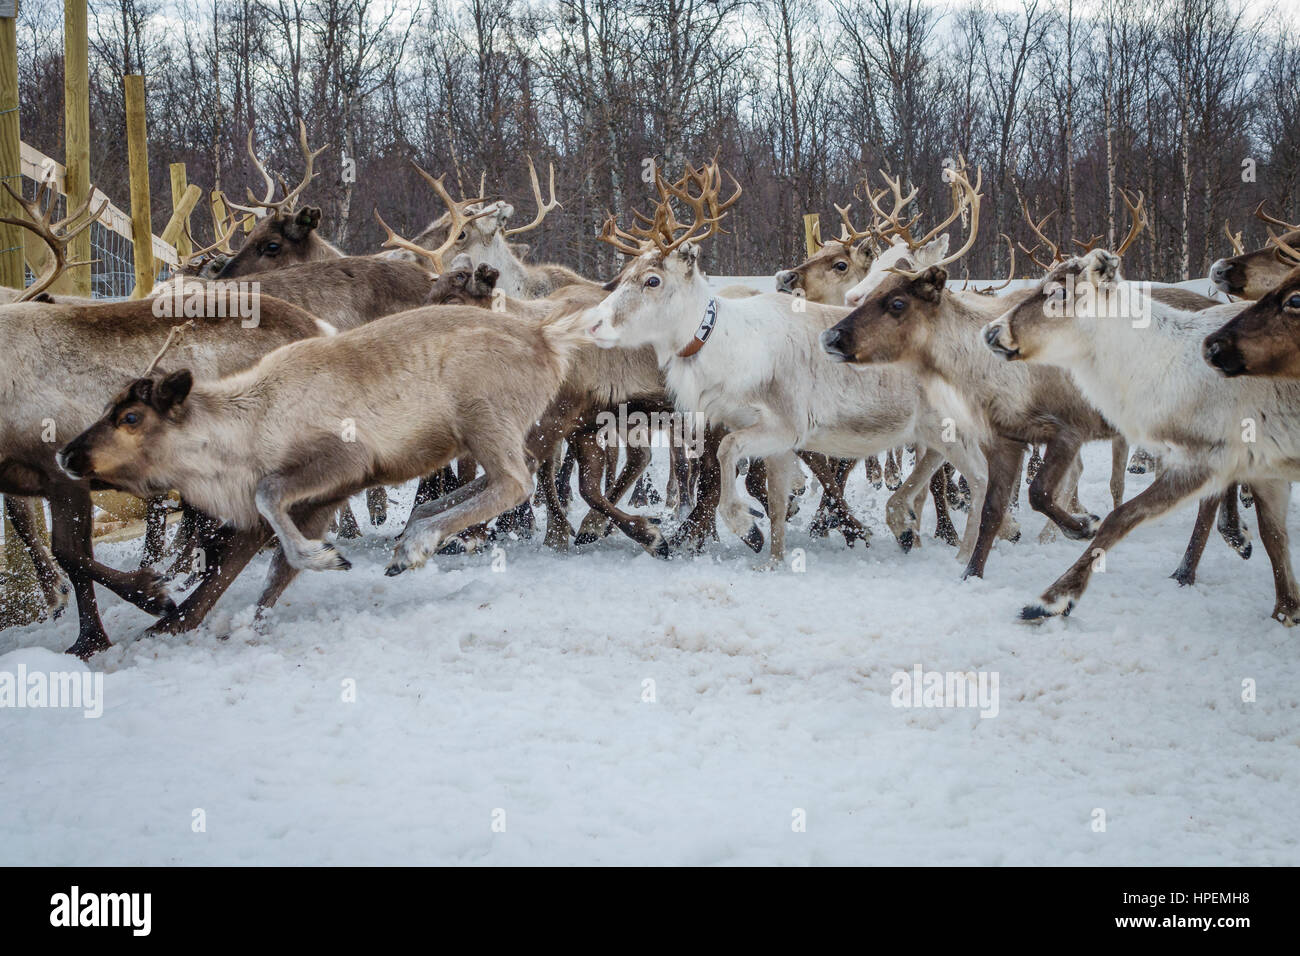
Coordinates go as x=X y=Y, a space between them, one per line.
x=448 y=358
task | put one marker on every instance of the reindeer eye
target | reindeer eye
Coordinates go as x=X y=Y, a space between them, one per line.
x=1294 y=302
x=652 y=282
x=463 y=234
x=130 y=418
x=271 y=248
x=841 y=266
x=896 y=305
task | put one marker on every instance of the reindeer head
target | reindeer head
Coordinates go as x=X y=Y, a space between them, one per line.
x=893 y=323
x=1057 y=324
x=463 y=284
x=126 y=446
x=907 y=253
x=1264 y=339
x=663 y=288
x=280 y=239
x=477 y=228
x=284 y=234
x=829 y=272
x=1251 y=275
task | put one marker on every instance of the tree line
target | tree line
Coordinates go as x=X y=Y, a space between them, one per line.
x=1061 y=103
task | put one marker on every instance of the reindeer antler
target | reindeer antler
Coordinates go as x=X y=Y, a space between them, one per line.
x=542 y=207
x=698 y=189
x=289 y=202
x=458 y=221
x=965 y=196
x=1037 y=229
x=888 y=223
x=222 y=238
x=1138 y=220
x=56 y=235
x=1238 y=247
x=1272 y=220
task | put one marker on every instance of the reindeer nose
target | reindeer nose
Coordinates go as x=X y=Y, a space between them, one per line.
x=1220 y=352
x=787 y=280
x=832 y=341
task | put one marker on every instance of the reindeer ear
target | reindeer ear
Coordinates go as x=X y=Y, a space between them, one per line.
x=141 y=390
x=462 y=262
x=929 y=284
x=172 y=390
x=306 y=219
x=1106 y=265
x=689 y=253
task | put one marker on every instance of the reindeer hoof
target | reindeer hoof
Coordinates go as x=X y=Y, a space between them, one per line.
x=1035 y=613
x=396 y=568
x=1287 y=616
x=754 y=538
x=88 y=645
x=907 y=540
x=1184 y=576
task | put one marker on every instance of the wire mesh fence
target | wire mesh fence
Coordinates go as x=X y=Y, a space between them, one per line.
x=112 y=270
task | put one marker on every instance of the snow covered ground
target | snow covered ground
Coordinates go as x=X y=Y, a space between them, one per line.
x=513 y=690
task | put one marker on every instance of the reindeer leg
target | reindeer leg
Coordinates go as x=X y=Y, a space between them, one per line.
x=893 y=471
x=312 y=520
x=226 y=553
x=1271 y=500
x=564 y=477
x=558 y=530
x=1170 y=487
x=767 y=437
x=601 y=518
x=376 y=504
x=830 y=472
x=700 y=525
x=1230 y=524
x=155 y=530
x=347 y=523
x=1004 y=458
x=1118 y=456
x=1185 y=573
x=70 y=514
x=54 y=587
x=1058 y=459
x=591 y=460
x=275 y=495
x=943 y=529
x=873 y=471
x=508 y=482
x=781 y=470
x=900 y=511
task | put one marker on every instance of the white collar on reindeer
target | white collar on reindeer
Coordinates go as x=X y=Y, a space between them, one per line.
x=703 y=331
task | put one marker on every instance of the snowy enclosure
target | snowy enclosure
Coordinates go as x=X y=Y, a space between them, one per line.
x=606 y=707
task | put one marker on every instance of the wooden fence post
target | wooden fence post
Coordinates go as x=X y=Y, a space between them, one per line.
x=20 y=600
x=180 y=188
x=812 y=233
x=76 y=153
x=137 y=148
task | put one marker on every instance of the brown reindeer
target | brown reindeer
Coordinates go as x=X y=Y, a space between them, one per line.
x=273 y=444
x=1250 y=275
x=1264 y=339
x=60 y=360
x=486 y=237
x=283 y=233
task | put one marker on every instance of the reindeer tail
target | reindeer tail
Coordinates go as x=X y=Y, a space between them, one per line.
x=566 y=328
